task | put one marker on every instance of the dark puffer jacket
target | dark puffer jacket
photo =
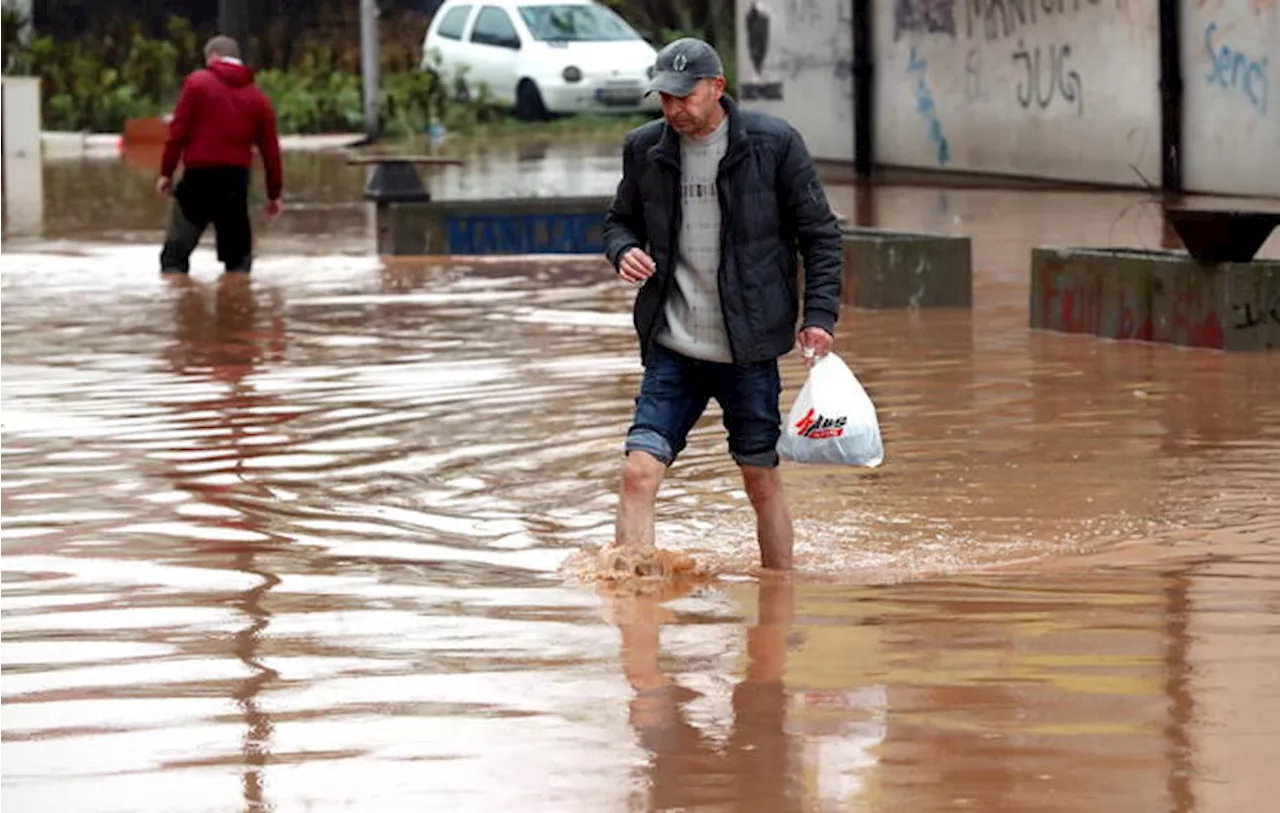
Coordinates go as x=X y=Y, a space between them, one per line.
x=772 y=207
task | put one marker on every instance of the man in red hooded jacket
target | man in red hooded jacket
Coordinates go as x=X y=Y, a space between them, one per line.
x=220 y=117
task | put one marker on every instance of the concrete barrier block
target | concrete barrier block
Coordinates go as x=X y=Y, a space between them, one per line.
x=402 y=230
x=1159 y=296
x=888 y=269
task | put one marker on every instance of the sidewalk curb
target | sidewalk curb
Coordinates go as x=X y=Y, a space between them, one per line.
x=58 y=145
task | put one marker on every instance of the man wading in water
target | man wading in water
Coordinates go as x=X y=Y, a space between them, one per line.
x=713 y=205
x=220 y=117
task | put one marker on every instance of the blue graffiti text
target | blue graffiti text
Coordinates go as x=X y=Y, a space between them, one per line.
x=926 y=107
x=1233 y=68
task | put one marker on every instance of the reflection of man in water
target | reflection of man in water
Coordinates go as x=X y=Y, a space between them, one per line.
x=220 y=117
x=221 y=338
x=219 y=335
x=753 y=770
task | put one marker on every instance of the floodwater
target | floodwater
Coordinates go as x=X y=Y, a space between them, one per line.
x=293 y=542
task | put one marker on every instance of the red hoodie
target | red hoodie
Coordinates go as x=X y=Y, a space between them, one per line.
x=221 y=115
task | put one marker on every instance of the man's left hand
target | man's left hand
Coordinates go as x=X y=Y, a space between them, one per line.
x=816 y=343
x=164 y=186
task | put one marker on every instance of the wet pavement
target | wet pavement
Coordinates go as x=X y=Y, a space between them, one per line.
x=292 y=542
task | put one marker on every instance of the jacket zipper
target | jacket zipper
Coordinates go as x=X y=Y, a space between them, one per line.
x=722 y=173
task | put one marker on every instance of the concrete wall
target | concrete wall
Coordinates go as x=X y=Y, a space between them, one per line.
x=1231 y=73
x=1049 y=88
x=795 y=60
x=1060 y=89
x=22 y=176
x=20 y=116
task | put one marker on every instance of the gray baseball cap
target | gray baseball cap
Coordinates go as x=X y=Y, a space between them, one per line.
x=680 y=65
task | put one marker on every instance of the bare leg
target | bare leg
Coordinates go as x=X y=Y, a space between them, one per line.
x=773 y=519
x=640 y=646
x=641 y=478
x=767 y=640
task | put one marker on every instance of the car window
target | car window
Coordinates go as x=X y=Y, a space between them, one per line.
x=455 y=19
x=494 y=27
x=576 y=23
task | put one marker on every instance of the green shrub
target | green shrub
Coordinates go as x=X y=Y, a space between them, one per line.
x=96 y=82
x=313 y=103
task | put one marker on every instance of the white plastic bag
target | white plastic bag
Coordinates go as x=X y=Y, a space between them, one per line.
x=833 y=420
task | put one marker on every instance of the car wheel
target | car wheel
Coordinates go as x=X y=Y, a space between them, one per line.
x=529 y=106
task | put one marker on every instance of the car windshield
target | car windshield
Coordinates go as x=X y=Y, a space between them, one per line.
x=576 y=23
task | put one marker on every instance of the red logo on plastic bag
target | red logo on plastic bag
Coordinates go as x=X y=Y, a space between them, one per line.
x=818 y=427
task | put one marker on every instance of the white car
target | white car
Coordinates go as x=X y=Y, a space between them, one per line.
x=543 y=56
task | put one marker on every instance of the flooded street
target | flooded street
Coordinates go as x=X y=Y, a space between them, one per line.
x=292 y=542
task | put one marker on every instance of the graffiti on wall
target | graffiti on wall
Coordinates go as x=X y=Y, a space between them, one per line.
x=1251 y=315
x=989 y=20
x=924 y=17
x=1075 y=299
x=973 y=75
x=1044 y=76
x=925 y=107
x=1260 y=7
x=820 y=34
x=758 y=29
x=1235 y=70
x=1002 y=19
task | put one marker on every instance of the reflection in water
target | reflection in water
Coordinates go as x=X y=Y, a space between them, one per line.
x=221 y=337
x=753 y=768
x=23 y=195
x=292 y=541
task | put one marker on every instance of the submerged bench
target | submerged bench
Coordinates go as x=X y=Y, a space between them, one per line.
x=1213 y=295
x=410 y=221
x=395 y=178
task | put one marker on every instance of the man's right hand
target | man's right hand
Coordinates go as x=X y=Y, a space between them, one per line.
x=636 y=266
x=274 y=207
x=164 y=186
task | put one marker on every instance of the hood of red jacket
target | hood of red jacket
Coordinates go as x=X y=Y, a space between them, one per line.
x=233 y=73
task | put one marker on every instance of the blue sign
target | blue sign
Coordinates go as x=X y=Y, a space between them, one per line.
x=526 y=234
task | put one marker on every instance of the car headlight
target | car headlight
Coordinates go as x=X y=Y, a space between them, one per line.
x=572 y=74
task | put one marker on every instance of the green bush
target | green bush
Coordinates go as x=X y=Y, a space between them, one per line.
x=313 y=104
x=82 y=93
x=95 y=83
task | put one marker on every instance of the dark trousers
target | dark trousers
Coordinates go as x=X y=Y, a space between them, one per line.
x=217 y=195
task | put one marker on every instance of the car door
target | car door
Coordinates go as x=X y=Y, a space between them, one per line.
x=495 y=51
x=447 y=40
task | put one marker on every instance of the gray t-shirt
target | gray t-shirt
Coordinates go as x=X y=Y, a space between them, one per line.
x=695 y=324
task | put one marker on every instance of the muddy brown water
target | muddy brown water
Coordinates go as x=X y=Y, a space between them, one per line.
x=293 y=542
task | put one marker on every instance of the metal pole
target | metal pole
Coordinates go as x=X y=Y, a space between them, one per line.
x=1171 y=111
x=863 y=90
x=233 y=21
x=369 y=65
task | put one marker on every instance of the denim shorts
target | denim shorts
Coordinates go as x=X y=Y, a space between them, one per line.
x=675 y=392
